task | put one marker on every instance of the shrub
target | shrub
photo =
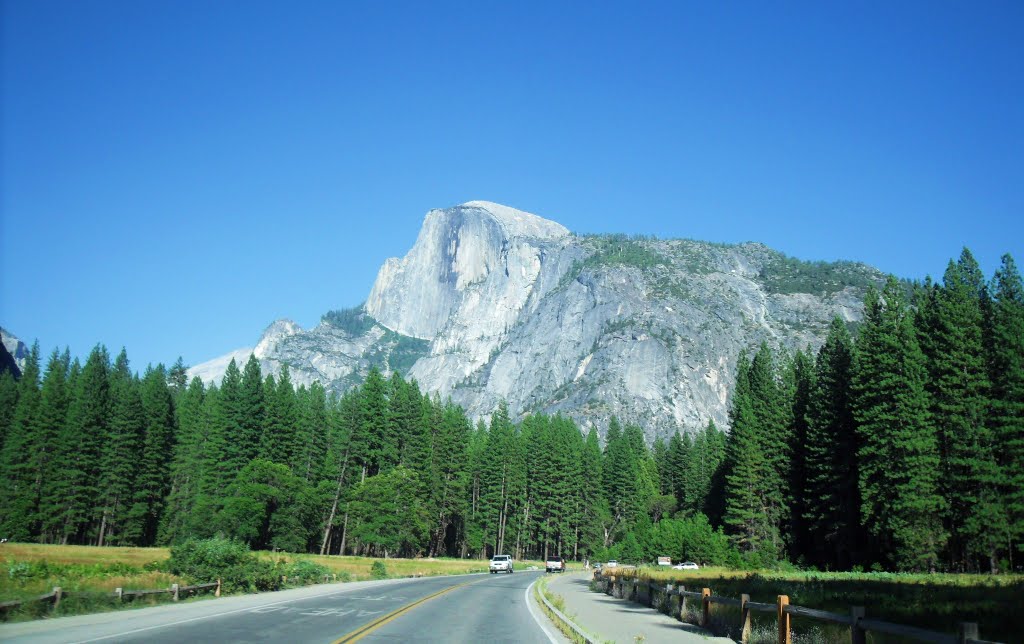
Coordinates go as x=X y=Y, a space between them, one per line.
x=305 y=570
x=204 y=560
x=378 y=570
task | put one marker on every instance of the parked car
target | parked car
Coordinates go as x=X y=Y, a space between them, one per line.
x=611 y=563
x=501 y=563
x=554 y=564
x=686 y=565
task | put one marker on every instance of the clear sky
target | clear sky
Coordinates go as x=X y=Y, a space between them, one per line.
x=176 y=175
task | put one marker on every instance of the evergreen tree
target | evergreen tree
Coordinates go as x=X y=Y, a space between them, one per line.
x=830 y=492
x=8 y=403
x=252 y=412
x=187 y=462
x=157 y=448
x=800 y=376
x=119 y=457
x=281 y=422
x=1006 y=369
x=959 y=389
x=72 y=491
x=16 y=474
x=898 y=453
x=49 y=421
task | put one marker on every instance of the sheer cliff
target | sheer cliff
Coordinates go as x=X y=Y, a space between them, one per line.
x=494 y=303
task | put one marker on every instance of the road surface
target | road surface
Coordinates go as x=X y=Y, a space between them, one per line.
x=463 y=608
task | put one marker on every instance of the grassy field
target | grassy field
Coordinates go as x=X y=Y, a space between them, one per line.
x=935 y=602
x=90 y=574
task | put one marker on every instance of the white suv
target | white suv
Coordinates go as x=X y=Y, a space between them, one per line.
x=501 y=563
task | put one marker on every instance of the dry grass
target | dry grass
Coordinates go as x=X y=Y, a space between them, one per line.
x=81 y=554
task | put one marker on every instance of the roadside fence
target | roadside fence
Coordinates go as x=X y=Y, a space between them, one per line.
x=55 y=596
x=660 y=596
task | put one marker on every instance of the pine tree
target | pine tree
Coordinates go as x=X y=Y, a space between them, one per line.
x=8 y=403
x=832 y=501
x=16 y=475
x=800 y=375
x=376 y=426
x=757 y=471
x=49 y=421
x=119 y=457
x=702 y=467
x=281 y=420
x=157 y=448
x=72 y=491
x=959 y=389
x=898 y=453
x=1006 y=369
x=252 y=413
x=187 y=462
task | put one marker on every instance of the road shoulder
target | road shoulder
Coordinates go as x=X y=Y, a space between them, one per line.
x=620 y=620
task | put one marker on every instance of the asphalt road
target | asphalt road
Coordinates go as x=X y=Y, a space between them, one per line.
x=464 y=608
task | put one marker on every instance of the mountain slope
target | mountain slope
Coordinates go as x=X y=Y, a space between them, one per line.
x=493 y=303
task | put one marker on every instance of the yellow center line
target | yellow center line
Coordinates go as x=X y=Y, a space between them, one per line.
x=366 y=629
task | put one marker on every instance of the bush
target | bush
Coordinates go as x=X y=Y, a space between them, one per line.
x=378 y=570
x=205 y=560
x=305 y=570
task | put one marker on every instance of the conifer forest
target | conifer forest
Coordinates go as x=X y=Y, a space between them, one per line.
x=899 y=445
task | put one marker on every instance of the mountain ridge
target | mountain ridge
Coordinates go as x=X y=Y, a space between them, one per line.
x=492 y=303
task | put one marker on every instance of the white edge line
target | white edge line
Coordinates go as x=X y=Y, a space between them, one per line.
x=249 y=608
x=533 y=613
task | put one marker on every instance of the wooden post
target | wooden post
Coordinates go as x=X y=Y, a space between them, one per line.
x=744 y=618
x=57 y=594
x=857 y=634
x=216 y=593
x=784 y=633
x=174 y=592
x=968 y=631
x=668 y=599
x=119 y=592
x=705 y=602
x=682 y=604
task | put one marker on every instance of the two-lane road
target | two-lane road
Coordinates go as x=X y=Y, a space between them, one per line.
x=465 y=608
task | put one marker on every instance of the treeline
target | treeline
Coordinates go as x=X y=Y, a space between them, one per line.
x=901 y=450
x=93 y=454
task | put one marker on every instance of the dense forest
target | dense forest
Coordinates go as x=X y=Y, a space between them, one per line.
x=902 y=448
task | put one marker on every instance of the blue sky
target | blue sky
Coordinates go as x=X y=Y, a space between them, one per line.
x=176 y=175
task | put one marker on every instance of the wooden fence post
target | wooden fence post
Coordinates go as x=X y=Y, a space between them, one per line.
x=668 y=599
x=705 y=602
x=216 y=593
x=857 y=635
x=744 y=618
x=682 y=604
x=57 y=593
x=119 y=592
x=784 y=633
x=968 y=631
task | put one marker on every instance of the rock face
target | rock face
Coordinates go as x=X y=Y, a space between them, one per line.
x=15 y=347
x=493 y=303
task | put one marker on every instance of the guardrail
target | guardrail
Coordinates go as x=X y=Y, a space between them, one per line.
x=631 y=588
x=55 y=596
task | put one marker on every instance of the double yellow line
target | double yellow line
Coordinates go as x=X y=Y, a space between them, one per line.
x=366 y=629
